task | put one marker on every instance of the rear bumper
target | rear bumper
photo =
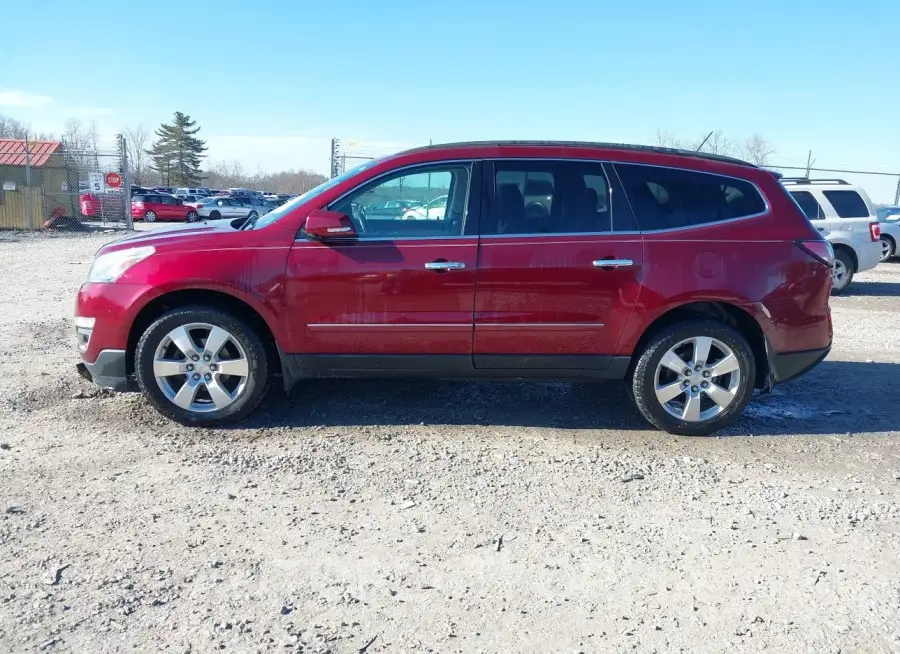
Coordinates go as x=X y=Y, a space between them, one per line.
x=794 y=364
x=108 y=371
x=868 y=255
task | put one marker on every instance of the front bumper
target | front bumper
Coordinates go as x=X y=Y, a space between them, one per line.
x=108 y=371
x=794 y=364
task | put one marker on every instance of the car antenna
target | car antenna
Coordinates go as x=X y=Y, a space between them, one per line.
x=700 y=147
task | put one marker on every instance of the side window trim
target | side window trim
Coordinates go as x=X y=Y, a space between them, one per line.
x=767 y=208
x=472 y=201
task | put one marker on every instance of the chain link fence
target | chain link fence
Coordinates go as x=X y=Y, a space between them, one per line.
x=46 y=185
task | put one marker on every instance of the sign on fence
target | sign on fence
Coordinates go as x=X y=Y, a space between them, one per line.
x=113 y=180
x=95 y=182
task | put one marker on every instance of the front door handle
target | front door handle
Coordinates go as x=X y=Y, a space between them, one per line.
x=441 y=266
x=613 y=263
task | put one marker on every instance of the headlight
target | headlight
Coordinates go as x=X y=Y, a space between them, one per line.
x=109 y=267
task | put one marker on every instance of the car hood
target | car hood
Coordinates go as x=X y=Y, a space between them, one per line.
x=172 y=236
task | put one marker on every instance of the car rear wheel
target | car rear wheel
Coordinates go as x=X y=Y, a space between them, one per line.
x=888 y=247
x=192 y=217
x=842 y=273
x=693 y=377
x=149 y=216
x=201 y=366
x=215 y=215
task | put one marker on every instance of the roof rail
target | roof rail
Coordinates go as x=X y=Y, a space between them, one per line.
x=590 y=144
x=807 y=180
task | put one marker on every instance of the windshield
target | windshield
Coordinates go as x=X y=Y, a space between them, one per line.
x=888 y=214
x=277 y=214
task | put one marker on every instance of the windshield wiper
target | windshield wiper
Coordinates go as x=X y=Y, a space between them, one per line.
x=249 y=223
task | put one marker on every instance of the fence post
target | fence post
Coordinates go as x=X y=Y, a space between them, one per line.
x=29 y=199
x=126 y=184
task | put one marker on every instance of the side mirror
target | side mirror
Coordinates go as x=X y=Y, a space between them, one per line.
x=324 y=225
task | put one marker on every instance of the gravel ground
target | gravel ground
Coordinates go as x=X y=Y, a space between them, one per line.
x=364 y=516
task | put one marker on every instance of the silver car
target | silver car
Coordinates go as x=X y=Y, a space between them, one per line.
x=229 y=208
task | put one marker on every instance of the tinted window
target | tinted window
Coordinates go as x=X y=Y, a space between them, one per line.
x=167 y=199
x=809 y=204
x=847 y=204
x=667 y=198
x=139 y=198
x=548 y=197
x=887 y=212
x=435 y=201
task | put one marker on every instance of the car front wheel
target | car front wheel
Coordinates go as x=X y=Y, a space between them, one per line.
x=201 y=366
x=887 y=247
x=693 y=377
x=192 y=217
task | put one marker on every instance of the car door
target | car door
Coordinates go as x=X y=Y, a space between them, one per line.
x=400 y=296
x=154 y=203
x=556 y=284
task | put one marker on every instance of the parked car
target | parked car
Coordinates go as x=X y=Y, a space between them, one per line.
x=228 y=207
x=151 y=207
x=388 y=209
x=184 y=192
x=168 y=190
x=844 y=214
x=889 y=222
x=693 y=277
x=433 y=210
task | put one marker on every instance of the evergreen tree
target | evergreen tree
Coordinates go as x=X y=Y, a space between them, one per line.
x=177 y=152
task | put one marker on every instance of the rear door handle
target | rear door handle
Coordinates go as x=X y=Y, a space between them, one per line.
x=444 y=265
x=613 y=263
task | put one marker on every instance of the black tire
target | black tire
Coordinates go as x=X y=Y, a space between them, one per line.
x=215 y=215
x=842 y=255
x=891 y=247
x=192 y=216
x=149 y=216
x=642 y=380
x=257 y=357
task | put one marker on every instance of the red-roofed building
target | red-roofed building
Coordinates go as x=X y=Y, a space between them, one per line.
x=34 y=182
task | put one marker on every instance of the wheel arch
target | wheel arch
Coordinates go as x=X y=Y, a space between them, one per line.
x=724 y=312
x=201 y=298
x=843 y=247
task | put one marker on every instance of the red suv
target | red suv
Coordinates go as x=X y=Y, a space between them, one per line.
x=151 y=207
x=695 y=278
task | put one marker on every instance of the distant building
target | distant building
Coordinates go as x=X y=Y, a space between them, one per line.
x=36 y=175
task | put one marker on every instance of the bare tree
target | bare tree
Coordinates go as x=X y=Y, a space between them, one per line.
x=10 y=128
x=665 y=139
x=225 y=174
x=136 y=145
x=757 y=149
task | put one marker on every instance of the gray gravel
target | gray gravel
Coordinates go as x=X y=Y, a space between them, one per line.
x=427 y=516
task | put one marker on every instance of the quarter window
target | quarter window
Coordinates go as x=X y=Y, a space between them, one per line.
x=421 y=203
x=669 y=198
x=847 y=204
x=549 y=197
x=809 y=204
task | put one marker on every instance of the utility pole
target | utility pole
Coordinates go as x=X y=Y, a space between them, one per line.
x=809 y=163
x=897 y=192
x=335 y=151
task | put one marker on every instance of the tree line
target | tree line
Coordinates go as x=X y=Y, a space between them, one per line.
x=755 y=149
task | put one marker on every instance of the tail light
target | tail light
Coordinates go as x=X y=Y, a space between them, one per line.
x=137 y=205
x=875 y=231
x=819 y=250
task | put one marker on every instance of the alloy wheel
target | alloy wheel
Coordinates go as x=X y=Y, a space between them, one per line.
x=697 y=379
x=886 y=249
x=839 y=274
x=201 y=368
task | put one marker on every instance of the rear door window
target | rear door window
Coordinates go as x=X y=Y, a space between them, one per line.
x=672 y=198
x=809 y=205
x=549 y=197
x=847 y=204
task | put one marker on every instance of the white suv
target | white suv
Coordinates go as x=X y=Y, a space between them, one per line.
x=845 y=216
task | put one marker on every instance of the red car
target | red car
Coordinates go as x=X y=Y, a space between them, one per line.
x=695 y=278
x=151 y=207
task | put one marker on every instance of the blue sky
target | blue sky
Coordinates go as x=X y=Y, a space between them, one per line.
x=272 y=81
